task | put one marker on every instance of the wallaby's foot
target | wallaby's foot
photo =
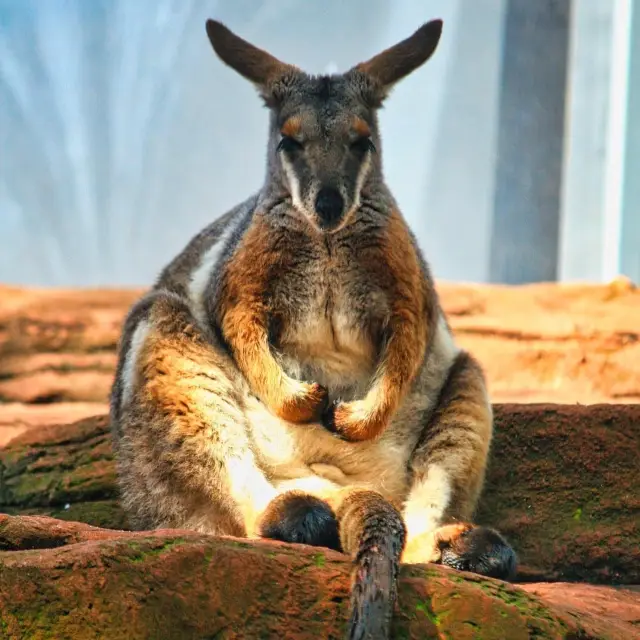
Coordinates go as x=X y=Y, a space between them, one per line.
x=305 y=402
x=298 y=517
x=354 y=421
x=465 y=547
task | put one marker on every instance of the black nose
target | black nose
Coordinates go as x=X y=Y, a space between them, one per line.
x=329 y=205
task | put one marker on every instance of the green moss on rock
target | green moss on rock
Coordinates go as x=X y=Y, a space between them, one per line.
x=188 y=586
x=547 y=464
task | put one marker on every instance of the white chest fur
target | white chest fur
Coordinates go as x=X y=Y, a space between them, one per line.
x=327 y=346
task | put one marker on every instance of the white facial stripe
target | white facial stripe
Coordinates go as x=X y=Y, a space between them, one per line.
x=296 y=197
x=294 y=185
x=362 y=176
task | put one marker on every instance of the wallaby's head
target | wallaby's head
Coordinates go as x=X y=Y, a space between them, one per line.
x=324 y=144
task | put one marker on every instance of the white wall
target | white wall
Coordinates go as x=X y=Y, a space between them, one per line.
x=122 y=134
x=596 y=144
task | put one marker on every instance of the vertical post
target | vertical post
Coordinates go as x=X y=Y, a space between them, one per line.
x=617 y=137
x=525 y=228
x=630 y=215
x=588 y=123
x=457 y=204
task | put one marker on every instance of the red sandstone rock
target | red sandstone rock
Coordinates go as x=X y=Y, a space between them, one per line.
x=76 y=582
x=16 y=417
x=603 y=610
x=537 y=343
x=563 y=484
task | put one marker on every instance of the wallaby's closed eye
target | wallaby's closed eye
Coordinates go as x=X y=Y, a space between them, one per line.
x=291 y=373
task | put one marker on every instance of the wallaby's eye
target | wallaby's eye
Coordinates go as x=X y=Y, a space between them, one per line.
x=363 y=144
x=289 y=145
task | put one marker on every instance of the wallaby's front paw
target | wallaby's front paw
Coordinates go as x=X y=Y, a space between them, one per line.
x=354 y=421
x=307 y=403
x=466 y=547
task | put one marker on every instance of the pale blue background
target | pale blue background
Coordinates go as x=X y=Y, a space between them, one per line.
x=121 y=133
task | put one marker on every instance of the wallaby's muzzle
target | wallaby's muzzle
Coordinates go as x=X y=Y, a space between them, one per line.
x=329 y=207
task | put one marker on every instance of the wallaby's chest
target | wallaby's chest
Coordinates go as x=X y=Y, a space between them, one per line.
x=328 y=313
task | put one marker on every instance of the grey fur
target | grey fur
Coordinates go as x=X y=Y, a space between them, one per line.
x=196 y=444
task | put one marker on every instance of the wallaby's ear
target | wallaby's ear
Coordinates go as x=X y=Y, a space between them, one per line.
x=252 y=63
x=398 y=61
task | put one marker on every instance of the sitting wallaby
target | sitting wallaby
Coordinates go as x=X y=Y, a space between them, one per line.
x=291 y=374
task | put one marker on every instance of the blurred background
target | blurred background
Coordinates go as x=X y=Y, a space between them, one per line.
x=512 y=152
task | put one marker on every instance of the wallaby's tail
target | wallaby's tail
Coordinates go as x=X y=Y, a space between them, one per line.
x=360 y=523
x=371 y=530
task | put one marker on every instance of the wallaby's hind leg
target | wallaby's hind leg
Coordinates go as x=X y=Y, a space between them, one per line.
x=298 y=517
x=368 y=528
x=179 y=429
x=448 y=469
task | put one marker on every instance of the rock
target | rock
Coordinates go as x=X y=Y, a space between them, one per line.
x=59 y=345
x=16 y=418
x=563 y=484
x=72 y=581
x=66 y=471
x=537 y=343
x=607 y=610
x=561 y=343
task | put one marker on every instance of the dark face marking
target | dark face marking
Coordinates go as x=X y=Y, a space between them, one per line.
x=325 y=145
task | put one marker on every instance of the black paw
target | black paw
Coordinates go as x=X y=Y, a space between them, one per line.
x=481 y=550
x=300 y=518
x=329 y=418
x=324 y=406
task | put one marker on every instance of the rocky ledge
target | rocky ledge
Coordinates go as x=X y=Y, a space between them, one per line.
x=543 y=342
x=67 y=580
x=563 y=484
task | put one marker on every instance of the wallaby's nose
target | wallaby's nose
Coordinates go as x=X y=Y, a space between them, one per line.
x=329 y=206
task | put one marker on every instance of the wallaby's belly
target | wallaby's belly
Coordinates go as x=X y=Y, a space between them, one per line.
x=310 y=453
x=331 y=343
x=327 y=348
x=313 y=456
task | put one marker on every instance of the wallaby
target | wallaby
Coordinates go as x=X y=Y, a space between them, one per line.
x=291 y=374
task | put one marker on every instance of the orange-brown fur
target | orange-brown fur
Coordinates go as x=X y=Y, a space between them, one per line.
x=243 y=319
x=411 y=321
x=291 y=127
x=361 y=127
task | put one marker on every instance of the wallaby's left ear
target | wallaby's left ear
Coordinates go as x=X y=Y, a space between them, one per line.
x=254 y=64
x=400 y=60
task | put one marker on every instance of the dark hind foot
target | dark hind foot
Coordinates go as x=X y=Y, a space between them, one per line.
x=298 y=517
x=477 y=549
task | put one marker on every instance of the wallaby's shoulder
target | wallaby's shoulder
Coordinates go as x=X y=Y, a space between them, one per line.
x=213 y=241
x=184 y=279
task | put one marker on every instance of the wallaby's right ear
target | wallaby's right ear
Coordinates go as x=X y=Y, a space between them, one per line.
x=398 y=61
x=252 y=63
